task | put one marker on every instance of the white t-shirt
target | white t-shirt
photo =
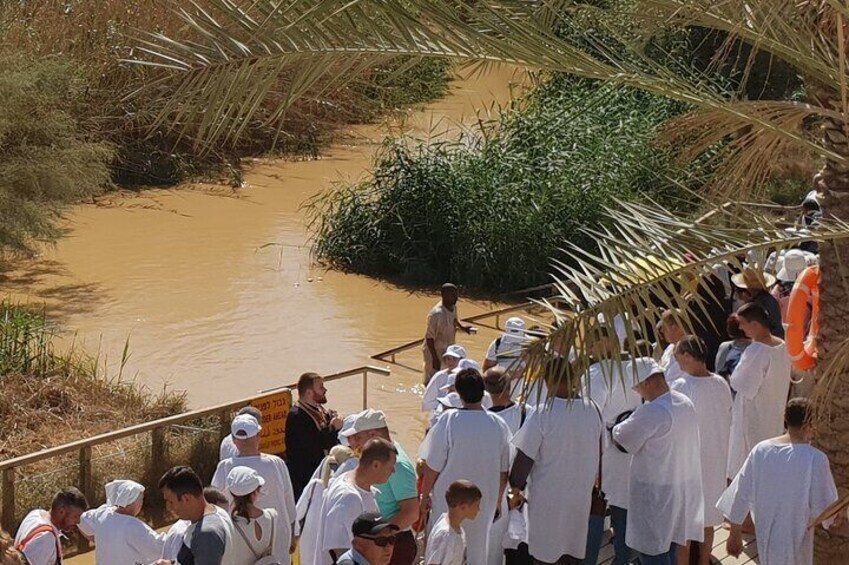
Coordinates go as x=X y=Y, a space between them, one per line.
x=562 y=438
x=269 y=543
x=671 y=369
x=176 y=533
x=665 y=500
x=120 y=539
x=711 y=397
x=785 y=486
x=506 y=352
x=445 y=546
x=761 y=380
x=343 y=502
x=277 y=493
x=227 y=449
x=473 y=445
x=41 y=549
x=614 y=394
x=432 y=393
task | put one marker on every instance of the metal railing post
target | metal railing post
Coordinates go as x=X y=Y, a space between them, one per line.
x=365 y=389
x=9 y=500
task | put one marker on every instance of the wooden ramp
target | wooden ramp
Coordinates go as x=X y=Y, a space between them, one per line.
x=748 y=557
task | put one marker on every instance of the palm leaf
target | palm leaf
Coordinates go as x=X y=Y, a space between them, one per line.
x=649 y=260
x=235 y=55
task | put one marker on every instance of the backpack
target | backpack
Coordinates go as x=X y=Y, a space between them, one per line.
x=264 y=557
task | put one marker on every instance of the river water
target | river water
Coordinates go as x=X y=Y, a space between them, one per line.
x=216 y=291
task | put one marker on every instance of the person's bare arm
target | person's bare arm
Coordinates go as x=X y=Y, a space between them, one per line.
x=734 y=545
x=429 y=477
x=407 y=515
x=487 y=364
x=435 y=361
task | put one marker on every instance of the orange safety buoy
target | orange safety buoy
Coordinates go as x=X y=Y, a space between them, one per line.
x=801 y=341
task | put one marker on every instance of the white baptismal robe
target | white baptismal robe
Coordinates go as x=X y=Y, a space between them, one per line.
x=473 y=445
x=785 y=486
x=563 y=440
x=613 y=392
x=665 y=503
x=120 y=539
x=761 y=381
x=711 y=397
x=276 y=493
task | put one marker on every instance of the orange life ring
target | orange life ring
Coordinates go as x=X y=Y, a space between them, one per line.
x=802 y=345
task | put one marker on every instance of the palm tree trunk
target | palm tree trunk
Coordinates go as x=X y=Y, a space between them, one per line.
x=833 y=431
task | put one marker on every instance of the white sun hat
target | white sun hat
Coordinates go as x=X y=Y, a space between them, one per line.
x=515 y=326
x=242 y=481
x=795 y=261
x=456 y=351
x=366 y=420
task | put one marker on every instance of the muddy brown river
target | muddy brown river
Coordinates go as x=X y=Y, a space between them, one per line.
x=217 y=293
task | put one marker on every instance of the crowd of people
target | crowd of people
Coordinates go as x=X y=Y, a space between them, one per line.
x=660 y=444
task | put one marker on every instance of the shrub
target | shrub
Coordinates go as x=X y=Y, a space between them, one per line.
x=45 y=158
x=489 y=211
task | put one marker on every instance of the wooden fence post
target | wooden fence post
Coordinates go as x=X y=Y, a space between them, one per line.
x=9 y=522
x=158 y=461
x=86 y=486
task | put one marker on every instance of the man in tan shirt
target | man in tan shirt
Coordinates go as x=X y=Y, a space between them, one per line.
x=442 y=325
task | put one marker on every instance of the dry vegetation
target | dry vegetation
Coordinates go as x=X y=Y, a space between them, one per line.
x=51 y=398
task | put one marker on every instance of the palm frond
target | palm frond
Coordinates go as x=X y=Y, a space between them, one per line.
x=235 y=55
x=648 y=261
x=745 y=152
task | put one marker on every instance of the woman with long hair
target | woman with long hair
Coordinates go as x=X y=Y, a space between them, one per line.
x=255 y=530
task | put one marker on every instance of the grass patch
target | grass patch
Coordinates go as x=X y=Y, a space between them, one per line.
x=50 y=397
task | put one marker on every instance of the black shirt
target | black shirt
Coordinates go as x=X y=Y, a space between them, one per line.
x=306 y=446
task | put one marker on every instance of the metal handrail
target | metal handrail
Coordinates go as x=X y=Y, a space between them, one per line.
x=391 y=353
x=157 y=428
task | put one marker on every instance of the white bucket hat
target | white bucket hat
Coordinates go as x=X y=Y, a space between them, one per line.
x=795 y=261
x=366 y=420
x=241 y=481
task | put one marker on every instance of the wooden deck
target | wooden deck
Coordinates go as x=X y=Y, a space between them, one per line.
x=748 y=557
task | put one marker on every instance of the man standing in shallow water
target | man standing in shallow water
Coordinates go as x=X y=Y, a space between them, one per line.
x=442 y=325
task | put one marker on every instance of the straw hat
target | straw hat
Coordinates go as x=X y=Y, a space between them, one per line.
x=754 y=279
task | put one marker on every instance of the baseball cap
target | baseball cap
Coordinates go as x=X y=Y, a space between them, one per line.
x=467 y=364
x=514 y=326
x=457 y=351
x=241 y=481
x=644 y=367
x=244 y=426
x=347 y=424
x=366 y=420
x=370 y=524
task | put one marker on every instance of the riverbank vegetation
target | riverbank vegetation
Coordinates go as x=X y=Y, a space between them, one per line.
x=52 y=396
x=490 y=210
x=79 y=119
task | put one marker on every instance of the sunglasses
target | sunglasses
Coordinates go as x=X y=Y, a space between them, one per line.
x=381 y=541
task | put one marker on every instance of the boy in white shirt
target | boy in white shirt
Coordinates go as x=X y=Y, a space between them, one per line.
x=446 y=544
